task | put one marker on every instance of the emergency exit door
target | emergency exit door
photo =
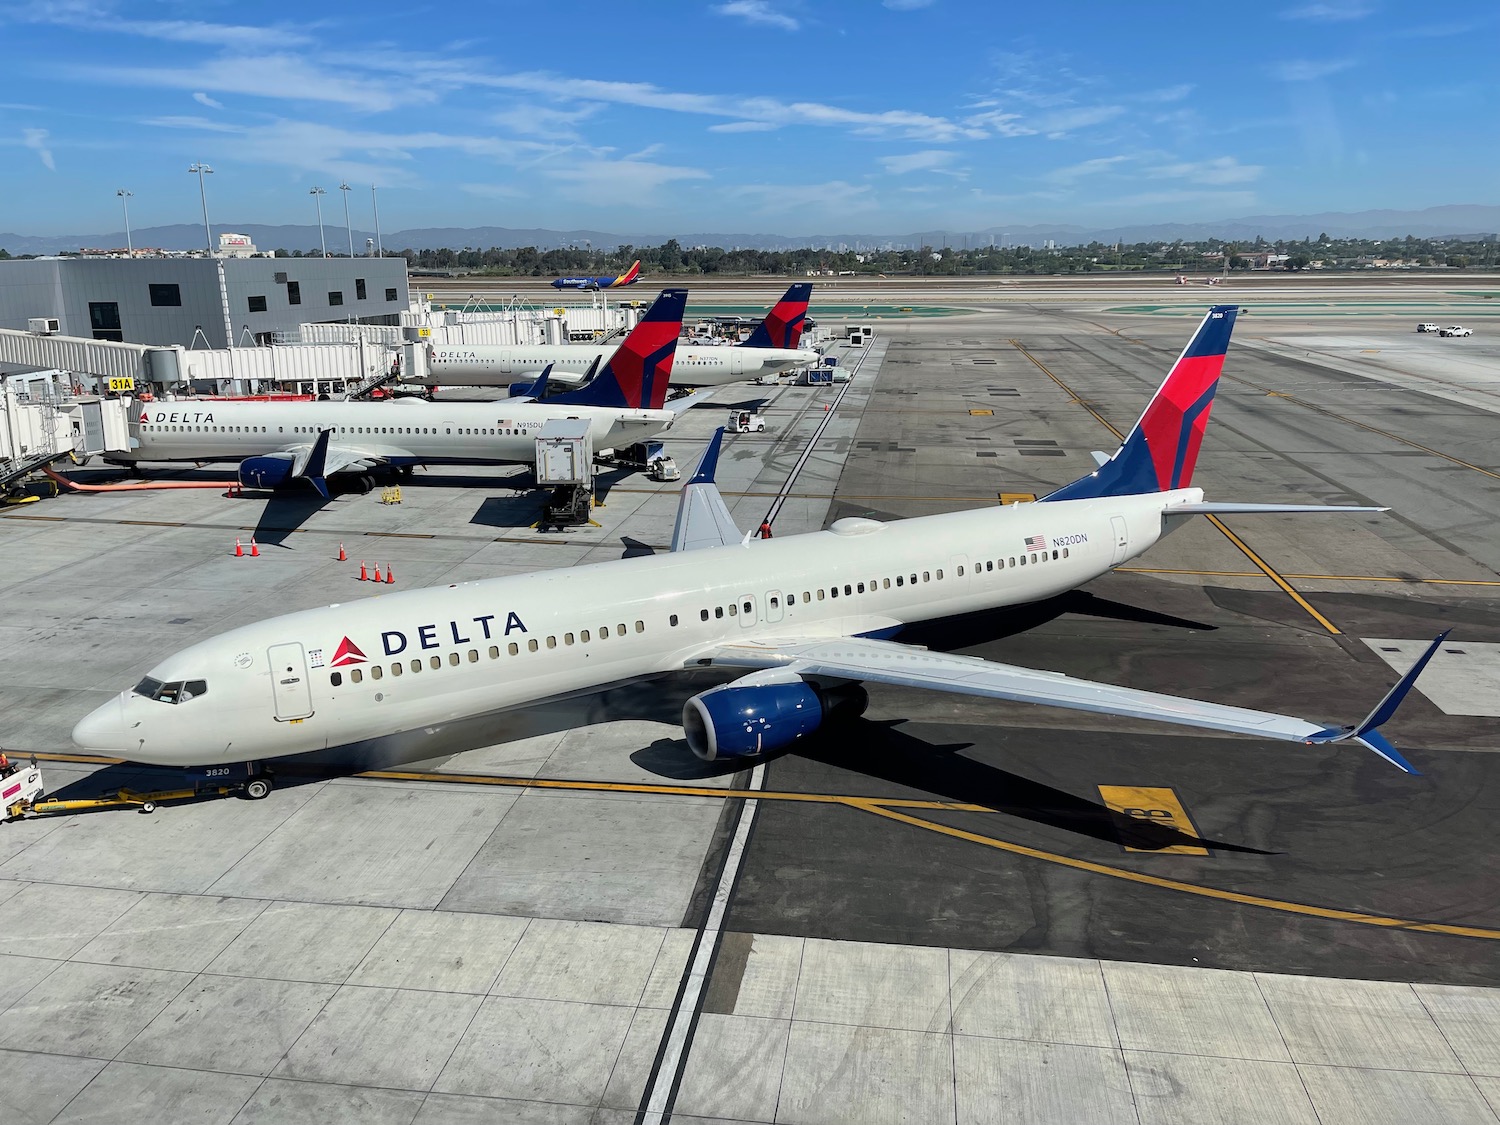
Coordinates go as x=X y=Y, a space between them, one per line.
x=289 y=682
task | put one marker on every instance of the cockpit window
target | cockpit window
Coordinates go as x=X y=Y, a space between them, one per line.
x=175 y=692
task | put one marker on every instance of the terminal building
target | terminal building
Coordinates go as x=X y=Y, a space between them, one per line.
x=224 y=301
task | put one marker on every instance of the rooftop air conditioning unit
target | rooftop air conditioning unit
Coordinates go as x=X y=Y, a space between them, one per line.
x=280 y=277
x=43 y=325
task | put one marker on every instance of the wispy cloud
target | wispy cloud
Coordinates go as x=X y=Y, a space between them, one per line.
x=928 y=160
x=635 y=183
x=1072 y=173
x=282 y=76
x=744 y=127
x=758 y=12
x=835 y=197
x=86 y=15
x=907 y=5
x=36 y=140
x=544 y=121
x=191 y=121
x=1219 y=170
x=1309 y=70
x=1330 y=11
x=203 y=99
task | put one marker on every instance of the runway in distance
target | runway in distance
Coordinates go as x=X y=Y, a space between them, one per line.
x=629 y=277
x=771 y=348
x=808 y=619
x=293 y=444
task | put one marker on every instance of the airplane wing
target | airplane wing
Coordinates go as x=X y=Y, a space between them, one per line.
x=703 y=519
x=887 y=662
x=683 y=403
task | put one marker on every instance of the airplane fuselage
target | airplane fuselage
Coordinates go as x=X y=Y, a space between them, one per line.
x=328 y=677
x=399 y=433
x=494 y=365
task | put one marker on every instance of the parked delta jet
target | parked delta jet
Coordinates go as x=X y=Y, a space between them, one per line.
x=803 y=620
x=629 y=277
x=771 y=348
x=288 y=444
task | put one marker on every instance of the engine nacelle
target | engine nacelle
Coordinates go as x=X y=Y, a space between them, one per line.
x=765 y=711
x=266 y=472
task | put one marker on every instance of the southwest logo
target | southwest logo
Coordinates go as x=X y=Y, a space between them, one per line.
x=348 y=653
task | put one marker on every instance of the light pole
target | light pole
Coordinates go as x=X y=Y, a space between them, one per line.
x=204 y=170
x=125 y=203
x=375 y=203
x=348 y=227
x=318 y=193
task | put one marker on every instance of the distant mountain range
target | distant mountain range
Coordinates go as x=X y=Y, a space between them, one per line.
x=1433 y=222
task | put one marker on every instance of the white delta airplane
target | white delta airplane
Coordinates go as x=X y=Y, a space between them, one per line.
x=283 y=445
x=807 y=619
x=770 y=349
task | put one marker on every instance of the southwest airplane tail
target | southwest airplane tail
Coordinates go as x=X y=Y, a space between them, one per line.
x=636 y=376
x=1158 y=455
x=629 y=277
x=782 y=327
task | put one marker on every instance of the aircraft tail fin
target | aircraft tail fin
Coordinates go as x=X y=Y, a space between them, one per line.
x=1160 y=452
x=703 y=519
x=630 y=276
x=636 y=376
x=782 y=327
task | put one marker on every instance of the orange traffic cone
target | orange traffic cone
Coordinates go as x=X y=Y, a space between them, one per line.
x=254 y=550
x=390 y=575
x=239 y=549
x=342 y=556
x=377 y=573
x=364 y=575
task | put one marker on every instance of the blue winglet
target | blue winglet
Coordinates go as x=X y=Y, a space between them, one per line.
x=708 y=464
x=1366 y=733
x=315 y=470
x=539 y=388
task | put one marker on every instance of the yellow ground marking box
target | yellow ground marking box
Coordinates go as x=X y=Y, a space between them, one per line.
x=1156 y=805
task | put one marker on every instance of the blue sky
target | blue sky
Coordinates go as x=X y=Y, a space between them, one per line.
x=781 y=116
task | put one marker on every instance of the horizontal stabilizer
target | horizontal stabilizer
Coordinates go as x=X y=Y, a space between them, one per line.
x=1207 y=509
x=703 y=520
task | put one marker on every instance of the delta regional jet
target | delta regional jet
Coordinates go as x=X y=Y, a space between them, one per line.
x=770 y=349
x=290 y=444
x=803 y=621
x=629 y=277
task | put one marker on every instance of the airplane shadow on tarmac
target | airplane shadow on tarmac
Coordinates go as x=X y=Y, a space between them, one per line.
x=883 y=751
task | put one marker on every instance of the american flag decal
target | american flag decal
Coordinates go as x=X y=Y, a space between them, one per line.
x=1036 y=542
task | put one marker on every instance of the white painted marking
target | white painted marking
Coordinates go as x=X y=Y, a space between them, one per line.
x=1463 y=678
x=684 y=1013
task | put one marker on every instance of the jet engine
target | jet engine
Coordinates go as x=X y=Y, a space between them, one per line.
x=266 y=472
x=764 y=711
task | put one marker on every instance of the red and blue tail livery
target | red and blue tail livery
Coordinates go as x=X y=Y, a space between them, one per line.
x=1160 y=452
x=783 y=325
x=636 y=376
x=629 y=277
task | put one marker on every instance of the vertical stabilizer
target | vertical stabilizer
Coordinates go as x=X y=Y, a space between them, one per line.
x=1160 y=452
x=636 y=376
x=782 y=327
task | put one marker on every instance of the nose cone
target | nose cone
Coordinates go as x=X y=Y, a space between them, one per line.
x=103 y=729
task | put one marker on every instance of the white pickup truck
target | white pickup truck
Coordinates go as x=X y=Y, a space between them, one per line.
x=1455 y=330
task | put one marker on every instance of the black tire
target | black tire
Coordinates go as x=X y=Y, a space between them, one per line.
x=258 y=788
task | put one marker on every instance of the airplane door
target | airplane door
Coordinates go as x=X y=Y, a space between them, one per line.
x=289 y=682
x=747 y=610
x=1122 y=540
x=773 y=605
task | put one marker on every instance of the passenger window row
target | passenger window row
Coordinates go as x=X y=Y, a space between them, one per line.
x=849 y=589
x=454 y=659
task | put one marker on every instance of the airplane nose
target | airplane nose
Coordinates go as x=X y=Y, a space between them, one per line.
x=103 y=729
